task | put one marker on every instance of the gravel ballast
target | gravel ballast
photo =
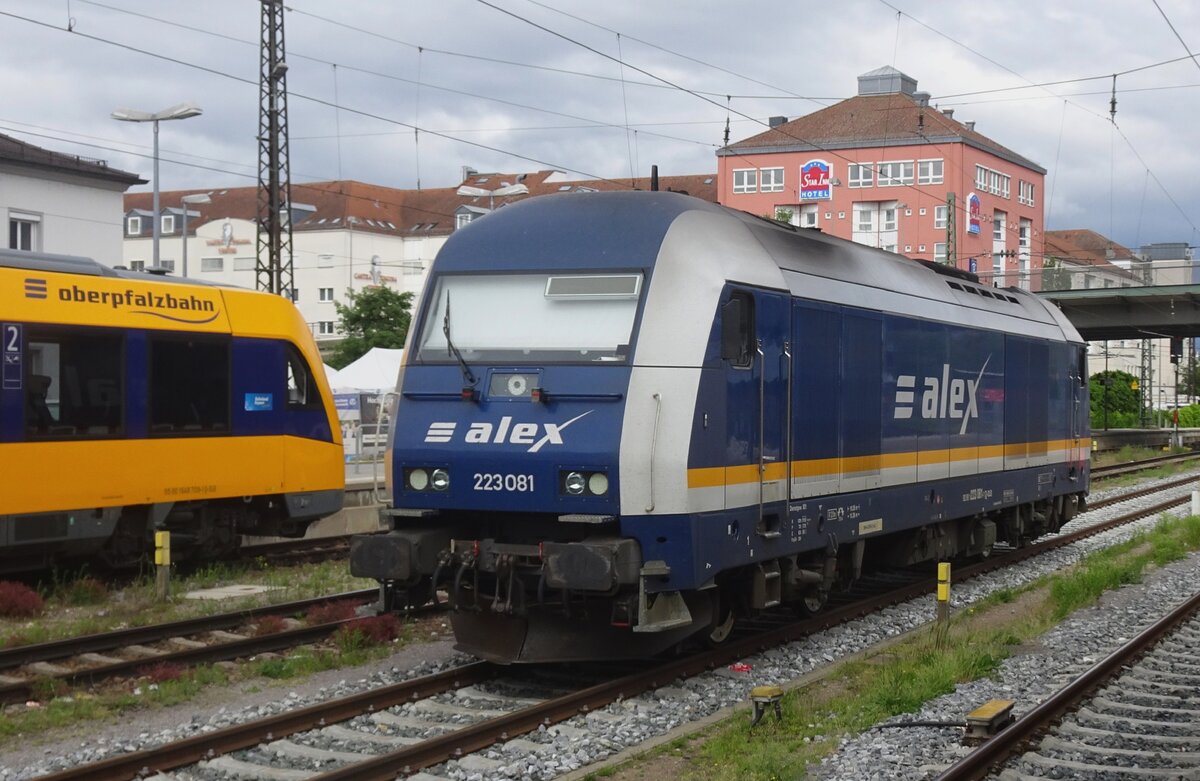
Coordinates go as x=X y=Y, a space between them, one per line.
x=582 y=741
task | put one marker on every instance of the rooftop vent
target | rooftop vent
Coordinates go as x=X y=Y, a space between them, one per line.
x=970 y=125
x=886 y=81
x=777 y=121
x=949 y=112
x=922 y=98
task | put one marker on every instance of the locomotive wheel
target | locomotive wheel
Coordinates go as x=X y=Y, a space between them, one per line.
x=813 y=601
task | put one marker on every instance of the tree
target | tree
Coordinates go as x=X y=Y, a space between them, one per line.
x=375 y=317
x=1119 y=397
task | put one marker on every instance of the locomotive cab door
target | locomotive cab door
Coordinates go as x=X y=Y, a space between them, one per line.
x=756 y=353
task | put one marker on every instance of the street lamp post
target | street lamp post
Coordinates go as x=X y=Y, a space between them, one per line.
x=181 y=111
x=185 y=200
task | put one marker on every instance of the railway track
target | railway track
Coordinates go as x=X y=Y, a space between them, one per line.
x=93 y=658
x=1132 y=715
x=1115 y=470
x=401 y=729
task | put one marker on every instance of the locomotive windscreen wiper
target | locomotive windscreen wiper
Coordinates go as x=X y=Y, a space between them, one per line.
x=468 y=377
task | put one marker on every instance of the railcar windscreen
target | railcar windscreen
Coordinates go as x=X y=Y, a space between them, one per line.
x=543 y=318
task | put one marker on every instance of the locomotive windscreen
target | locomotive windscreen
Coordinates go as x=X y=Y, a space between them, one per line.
x=531 y=317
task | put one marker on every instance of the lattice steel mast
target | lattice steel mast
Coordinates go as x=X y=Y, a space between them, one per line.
x=274 y=266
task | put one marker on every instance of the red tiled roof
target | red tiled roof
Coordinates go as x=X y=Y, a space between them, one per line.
x=392 y=211
x=867 y=120
x=1086 y=247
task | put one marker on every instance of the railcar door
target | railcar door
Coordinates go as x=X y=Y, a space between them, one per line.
x=754 y=346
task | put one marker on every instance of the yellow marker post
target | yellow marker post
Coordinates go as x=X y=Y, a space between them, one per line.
x=162 y=561
x=943 y=596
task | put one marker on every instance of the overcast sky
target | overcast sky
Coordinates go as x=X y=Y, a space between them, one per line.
x=523 y=85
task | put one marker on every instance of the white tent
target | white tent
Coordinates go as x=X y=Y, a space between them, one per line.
x=375 y=371
x=331 y=374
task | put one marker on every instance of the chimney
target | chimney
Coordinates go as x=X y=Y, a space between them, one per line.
x=970 y=125
x=949 y=112
x=922 y=98
x=777 y=121
x=468 y=172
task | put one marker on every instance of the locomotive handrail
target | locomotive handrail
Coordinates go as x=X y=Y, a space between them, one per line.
x=762 y=434
x=787 y=421
x=384 y=399
x=654 y=447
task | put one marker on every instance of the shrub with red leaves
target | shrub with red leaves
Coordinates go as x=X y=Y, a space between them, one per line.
x=364 y=632
x=327 y=612
x=163 y=671
x=269 y=625
x=19 y=601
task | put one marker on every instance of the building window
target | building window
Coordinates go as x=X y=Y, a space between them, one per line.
x=860 y=175
x=895 y=174
x=412 y=267
x=168 y=224
x=808 y=215
x=137 y=265
x=864 y=217
x=245 y=264
x=939 y=252
x=169 y=265
x=929 y=172
x=1025 y=193
x=940 y=214
x=462 y=220
x=772 y=180
x=212 y=264
x=887 y=219
x=326 y=261
x=133 y=226
x=745 y=180
x=22 y=234
x=325 y=327
x=325 y=294
x=998 y=220
x=981 y=178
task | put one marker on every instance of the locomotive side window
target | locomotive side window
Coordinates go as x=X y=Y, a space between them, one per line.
x=189 y=385
x=737 y=330
x=301 y=385
x=74 y=388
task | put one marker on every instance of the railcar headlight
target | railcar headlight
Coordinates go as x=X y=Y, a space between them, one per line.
x=574 y=483
x=418 y=479
x=440 y=480
x=598 y=483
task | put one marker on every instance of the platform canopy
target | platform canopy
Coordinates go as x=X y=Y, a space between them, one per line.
x=1154 y=312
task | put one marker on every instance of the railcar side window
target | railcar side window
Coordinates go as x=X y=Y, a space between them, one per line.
x=74 y=388
x=301 y=385
x=737 y=330
x=189 y=385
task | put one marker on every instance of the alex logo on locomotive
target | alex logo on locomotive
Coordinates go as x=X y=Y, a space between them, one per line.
x=504 y=432
x=942 y=398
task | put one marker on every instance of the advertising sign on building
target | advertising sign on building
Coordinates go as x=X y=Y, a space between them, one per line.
x=974 y=213
x=814 y=181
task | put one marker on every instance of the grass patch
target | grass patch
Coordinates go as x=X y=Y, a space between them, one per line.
x=75 y=606
x=859 y=694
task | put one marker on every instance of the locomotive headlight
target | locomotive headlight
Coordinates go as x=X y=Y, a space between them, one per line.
x=598 y=483
x=418 y=479
x=440 y=480
x=574 y=483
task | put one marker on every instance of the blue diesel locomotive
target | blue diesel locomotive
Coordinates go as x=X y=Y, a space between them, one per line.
x=626 y=419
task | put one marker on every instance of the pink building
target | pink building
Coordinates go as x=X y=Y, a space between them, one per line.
x=886 y=169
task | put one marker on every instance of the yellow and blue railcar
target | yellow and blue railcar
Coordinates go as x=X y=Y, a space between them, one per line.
x=133 y=402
